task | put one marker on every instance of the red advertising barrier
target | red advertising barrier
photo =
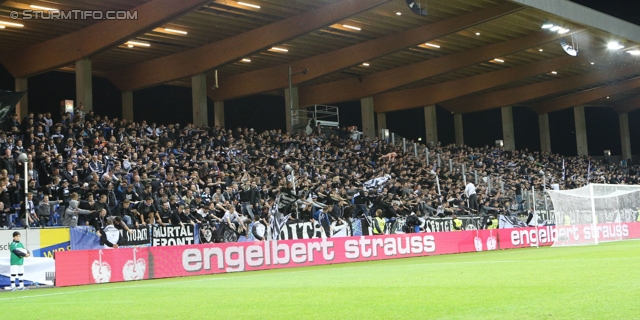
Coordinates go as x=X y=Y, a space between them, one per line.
x=102 y=266
x=526 y=237
x=580 y=234
x=113 y=265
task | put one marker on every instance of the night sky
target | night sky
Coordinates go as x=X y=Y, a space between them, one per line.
x=164 y=104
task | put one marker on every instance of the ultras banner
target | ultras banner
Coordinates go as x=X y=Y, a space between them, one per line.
x=172 y=235
x=86 y=238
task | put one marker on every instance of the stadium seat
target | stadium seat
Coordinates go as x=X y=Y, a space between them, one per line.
x=55 y=220
x=14 y=222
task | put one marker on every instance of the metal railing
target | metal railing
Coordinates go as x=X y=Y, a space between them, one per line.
x=490 y=184
x=327 y=116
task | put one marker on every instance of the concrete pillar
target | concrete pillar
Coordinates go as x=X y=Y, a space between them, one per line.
x=291 y=107
x=545 y=135
x=581 y=130
x=84 y=86
x=508 y=134
x=382 y=120
x=368 y=125
x=431 y=124
x=199 y=99
x=127 y=105
x=457 y=125
x=625 y=137
x=22 y=108
x=218 y=114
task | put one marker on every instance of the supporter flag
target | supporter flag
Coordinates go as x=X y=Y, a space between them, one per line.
x=508 y=222
x=8 y=101
x=589 y=171
x=278 y=220
x=374 y=183
x=563 y=170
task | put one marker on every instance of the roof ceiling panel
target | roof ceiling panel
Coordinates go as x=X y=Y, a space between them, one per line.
x=221 y=19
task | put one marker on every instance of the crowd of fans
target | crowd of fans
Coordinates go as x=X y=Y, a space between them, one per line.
x=88 y=168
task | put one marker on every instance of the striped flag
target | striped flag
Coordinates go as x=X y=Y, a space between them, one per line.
x=377 y=182
x=563 y=170
x=278 y=220
x=589 y=171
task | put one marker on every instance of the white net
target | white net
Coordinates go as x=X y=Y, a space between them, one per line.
x=594 y=213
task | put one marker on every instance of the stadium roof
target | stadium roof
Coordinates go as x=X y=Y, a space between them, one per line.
x=464 y=55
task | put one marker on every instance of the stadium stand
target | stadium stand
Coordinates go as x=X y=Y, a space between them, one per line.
x=233 y=177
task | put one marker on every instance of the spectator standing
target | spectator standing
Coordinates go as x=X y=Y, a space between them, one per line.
x=44 y=209
x=519 y=196
x=148 y=211
x=99 y=219
x=71 y=214
x=470 y=193
x=322 y=216
x=28 y=212
x=4 y=215
x=109 y=235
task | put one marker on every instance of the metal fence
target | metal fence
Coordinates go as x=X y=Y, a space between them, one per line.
x=490 y=184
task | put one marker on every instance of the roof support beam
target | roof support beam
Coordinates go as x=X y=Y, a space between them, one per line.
x=208 y=57
x=627 y=105
x=584 y=97
x=440 y=92
x=276 y=77
x=354 y=88
x=524 y=93
x=93 y=39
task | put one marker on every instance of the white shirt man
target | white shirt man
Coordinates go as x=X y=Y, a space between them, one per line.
x=232 y=217
x=469 y=190
x=110 y=236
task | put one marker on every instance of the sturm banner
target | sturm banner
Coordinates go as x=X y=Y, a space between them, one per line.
x=507 y=222
x=428 y=224
x=135 y=237
x=205 y=233
x=172 y=235
x=446 y=224
x=311 y=230
x=86 y=238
